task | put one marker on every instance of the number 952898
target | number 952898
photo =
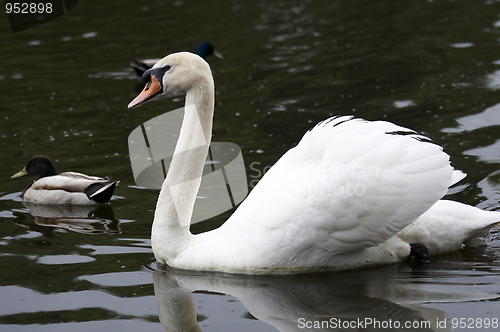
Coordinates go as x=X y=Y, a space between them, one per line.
x=475 y=323
x=28 y=8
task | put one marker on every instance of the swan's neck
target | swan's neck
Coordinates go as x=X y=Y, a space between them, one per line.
x=170 y=231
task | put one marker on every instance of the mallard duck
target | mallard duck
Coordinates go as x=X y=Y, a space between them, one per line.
x=204 y=50
x=66 y=188
x=352 y=193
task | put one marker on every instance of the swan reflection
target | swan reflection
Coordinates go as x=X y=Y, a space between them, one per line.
x=314 y=302
x=81 y=219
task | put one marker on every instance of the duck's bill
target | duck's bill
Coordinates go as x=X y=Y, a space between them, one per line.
x=151 y=90
x=218 y=55
x=20 y=173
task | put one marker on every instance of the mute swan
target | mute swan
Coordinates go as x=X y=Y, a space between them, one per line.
x=66 y=188
x=338 y=200
x=204 y=50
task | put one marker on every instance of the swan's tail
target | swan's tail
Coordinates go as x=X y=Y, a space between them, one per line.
x=457 y=176
x=475 y=240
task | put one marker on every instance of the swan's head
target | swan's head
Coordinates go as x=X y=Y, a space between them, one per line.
x=176 y=71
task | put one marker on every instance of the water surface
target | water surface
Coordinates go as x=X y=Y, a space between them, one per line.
x=432 y=66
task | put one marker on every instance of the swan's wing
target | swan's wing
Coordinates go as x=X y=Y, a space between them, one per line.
x=349 y=184
x=68 y=181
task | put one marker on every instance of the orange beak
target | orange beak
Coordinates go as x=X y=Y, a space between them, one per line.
x=151 y=89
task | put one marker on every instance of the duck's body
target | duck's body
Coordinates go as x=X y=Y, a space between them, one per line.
x=336 y=201
x=204 y=50
x=68 y=188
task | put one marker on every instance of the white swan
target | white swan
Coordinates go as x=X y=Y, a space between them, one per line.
x=338 y=200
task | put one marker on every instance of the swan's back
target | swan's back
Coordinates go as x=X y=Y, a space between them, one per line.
x=349 y=184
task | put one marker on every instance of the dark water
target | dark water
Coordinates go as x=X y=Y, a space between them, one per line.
x=432 y=66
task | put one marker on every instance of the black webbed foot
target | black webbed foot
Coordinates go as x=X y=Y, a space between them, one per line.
x=419 y=254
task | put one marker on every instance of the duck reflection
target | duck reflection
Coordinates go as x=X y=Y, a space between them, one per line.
x=333 y=302
x=81 y=219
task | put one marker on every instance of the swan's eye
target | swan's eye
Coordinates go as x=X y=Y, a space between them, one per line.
x=167 y=68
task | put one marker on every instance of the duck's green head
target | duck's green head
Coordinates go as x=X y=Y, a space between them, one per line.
x=39 y=166
x=205 y=49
